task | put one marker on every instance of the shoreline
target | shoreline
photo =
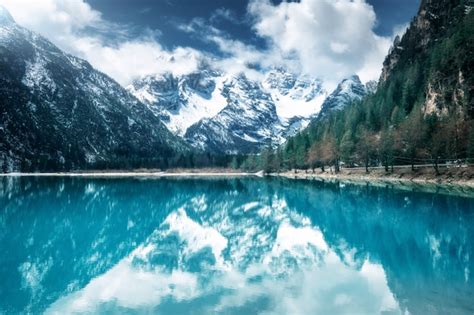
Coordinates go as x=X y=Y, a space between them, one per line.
x=454 y=188
x=400 y=177
x=453 y=177
x=131 y=174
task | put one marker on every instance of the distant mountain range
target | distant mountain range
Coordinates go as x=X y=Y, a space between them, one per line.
x=221 y=113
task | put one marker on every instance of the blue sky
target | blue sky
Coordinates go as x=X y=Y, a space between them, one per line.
x=328 y=39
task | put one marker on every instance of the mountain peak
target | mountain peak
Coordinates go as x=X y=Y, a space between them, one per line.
x=353 y=78
x=5 y=17
x=349 y=84
x=349 y=90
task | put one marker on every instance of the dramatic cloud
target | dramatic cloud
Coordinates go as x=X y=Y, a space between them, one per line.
x=236 y=56
x=332 y=38
x=242 y=58
x=324 y=38
x=78 y=29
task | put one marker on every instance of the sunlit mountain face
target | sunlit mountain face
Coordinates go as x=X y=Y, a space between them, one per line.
x=233 y=246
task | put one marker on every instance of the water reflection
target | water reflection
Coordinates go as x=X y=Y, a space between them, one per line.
x=238 y=246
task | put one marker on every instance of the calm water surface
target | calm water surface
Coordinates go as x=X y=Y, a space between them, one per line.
x=232 y=246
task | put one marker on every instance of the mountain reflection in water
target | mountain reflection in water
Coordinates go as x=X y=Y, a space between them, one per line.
x=232 y=246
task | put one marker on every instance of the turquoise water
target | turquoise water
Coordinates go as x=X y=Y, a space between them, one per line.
x=232 y=246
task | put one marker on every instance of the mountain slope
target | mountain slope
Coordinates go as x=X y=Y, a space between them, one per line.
x=294 y=96
x=57 y=112
x=258 y=114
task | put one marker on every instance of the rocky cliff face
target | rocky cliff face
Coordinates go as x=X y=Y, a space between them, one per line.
x=181 y=101
x=434 y=20
x=58 y=113
x=222 y=113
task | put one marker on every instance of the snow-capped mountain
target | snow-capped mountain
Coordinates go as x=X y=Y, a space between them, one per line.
x=294 y=96
x=222 y=113
x=248 y=122
x=218 y=112
x=348 y=91
x=57 y=112
x=298 y=99
x=182 y=101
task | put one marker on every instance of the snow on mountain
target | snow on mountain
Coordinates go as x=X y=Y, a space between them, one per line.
x=294 y=96
x=182 y=101
x=348 y=91
x=371 y=87
x=248 y=122
x=221 y=113
x=224 y=113
x=57 y=112
x=5 y=17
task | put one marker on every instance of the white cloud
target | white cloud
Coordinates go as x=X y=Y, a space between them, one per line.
x=67 y=23
x=137 y=58
x=324 y=38
x=224 y=14
x=238 y=56
x=241 y=58
x=59 y=21
x=332 y=38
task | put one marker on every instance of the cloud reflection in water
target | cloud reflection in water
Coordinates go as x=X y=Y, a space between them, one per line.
x=232 y=246
x=298 y=275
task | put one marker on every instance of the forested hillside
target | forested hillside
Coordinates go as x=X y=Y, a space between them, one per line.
x=421 y=113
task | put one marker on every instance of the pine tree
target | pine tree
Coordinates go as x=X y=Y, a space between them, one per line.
x=386 y=148
x=234 y=164
x=347 y=147
x=470 y=148
x=314 y=157
x=366 y=146
x=413 y=131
